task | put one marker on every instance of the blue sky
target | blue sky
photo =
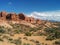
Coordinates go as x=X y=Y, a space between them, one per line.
x=28 y=6
x=42 y=9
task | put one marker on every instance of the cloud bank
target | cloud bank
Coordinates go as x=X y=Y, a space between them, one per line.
x=50 y=15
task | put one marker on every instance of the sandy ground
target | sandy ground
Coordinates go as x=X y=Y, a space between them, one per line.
x=41 y=40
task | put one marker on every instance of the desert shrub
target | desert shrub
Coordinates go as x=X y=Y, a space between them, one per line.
x=20 y=28
x=40 y=34
x=50 y=37
x=57 y=42
x=53 y=36
x=36 y=41
x=49 y=30
x=33 y=29
x=17 y=31
x=9 y=31
x=52 y=30
x=19 y=38
x=10 y=39
x=39 y=27
x=42 y=43
x=1 y=39
x=2 y=30
x=53 y=33
x=57 y=23
x=25 y=38
x=46 y=44
x=32 y=40
x=0 y=34
x=28 y=34
x=57 y=34
x=6 y=37
x=16 y=41
x=38 y=44
x=26 y=44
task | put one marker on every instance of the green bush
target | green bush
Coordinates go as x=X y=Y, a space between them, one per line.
x=52 y=33
x=17 y=31
x=33 y=29
x=2 y=30
x=57 y=34
x=16 y=41
x=28 y=34
x=50 y=37
x=49 y=30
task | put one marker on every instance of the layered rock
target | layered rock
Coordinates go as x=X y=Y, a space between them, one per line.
x=18 y=17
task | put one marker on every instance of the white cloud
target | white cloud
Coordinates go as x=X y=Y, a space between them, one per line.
x=50 y=15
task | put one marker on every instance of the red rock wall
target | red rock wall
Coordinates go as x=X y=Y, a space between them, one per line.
x=19 y=17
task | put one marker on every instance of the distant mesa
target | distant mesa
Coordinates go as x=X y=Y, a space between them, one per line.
x=4 y=16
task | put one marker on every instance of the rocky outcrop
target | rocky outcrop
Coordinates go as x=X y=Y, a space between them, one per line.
x=8 y=17
x=21 y=16
x=3 y=15
x=18 y=17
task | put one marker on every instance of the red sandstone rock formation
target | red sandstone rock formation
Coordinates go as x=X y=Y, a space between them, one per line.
x=27 y=19
x=3 y=15
x=19 y=17
x=32 y=20
x=14 y=16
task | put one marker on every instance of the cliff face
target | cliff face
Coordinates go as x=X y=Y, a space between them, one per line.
x=18 y=17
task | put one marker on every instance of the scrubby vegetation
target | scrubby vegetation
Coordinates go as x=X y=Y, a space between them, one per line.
x=28 y=34
x=26 y=44
x=2 y=30
x=51 y=33
x=57 y=42
x=1 y=39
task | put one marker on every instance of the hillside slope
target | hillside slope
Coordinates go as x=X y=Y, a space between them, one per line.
x=22 y=30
